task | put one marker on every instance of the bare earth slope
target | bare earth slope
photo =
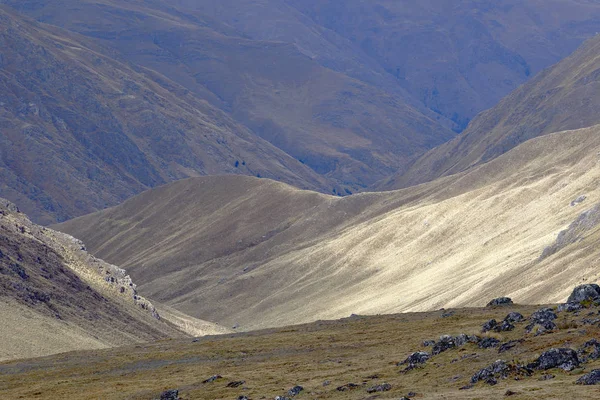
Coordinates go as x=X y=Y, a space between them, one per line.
x=565 y=96
x=259 y=253
x=82 y=131
x=55 y=297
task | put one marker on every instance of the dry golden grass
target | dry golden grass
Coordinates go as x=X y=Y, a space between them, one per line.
x=258 y=253
x=271 y=362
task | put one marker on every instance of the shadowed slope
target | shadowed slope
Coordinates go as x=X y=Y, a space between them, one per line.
x=55 y=297
x=565 y=96
x=260 y=253
x=81 y=131
x=347 y=130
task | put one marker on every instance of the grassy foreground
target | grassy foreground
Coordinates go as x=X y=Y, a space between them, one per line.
x=321 y=357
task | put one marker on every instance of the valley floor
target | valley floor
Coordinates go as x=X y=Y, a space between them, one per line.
x=322 y=357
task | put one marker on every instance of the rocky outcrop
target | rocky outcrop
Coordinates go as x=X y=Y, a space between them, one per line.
x=562 y=358
x=541 y=321
x=574 y=232
x=592 y=378
x=587 y=292
x=500 y=301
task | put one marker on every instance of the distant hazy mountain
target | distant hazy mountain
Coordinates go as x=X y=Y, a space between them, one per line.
x=565 y=96
x=81 y=131
x=456 y=57
x=323 y=95
x=239 y=250
x=347 y=130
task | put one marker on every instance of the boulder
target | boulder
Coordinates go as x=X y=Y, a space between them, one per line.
x=418 y=357
x=212 y=379
x=171 y=394
x=295 y=390
x=589 y=351
x=569 y=307
x=499 y=370
x=384 y=387
x=446 y=342
x=491 y=373
x=514 y=317
x=488 y=342
x=505 y=326
x=563 y=358
x=348 y=386
x=489 y=325
x=500 y=301
x=543 y=319
x=587 y=292
x=593 y=378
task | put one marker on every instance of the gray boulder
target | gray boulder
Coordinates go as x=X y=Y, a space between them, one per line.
x=563 y=358
x=593 y=378
x=172 y=394
x=500 y=301
x=587 y=292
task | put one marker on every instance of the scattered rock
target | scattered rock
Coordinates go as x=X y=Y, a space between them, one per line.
x=505 y=326
x=348 y=386
x=447 y=314
x=418 y=357
x=326 y=383
x=500 y=301
x=569 y=307
x=235 y=384
x=243 y=398
x=509 y=393
x=499 y=370
x=463 y=339
x=171 y=394
x=489 y=325
x=593 y=378
x=446 y=342
x=466 y=387
x=509 y=345
x=514 y=317
x=295 y=390
x=488 y=342
x=384 y=387
x=583 y=353
x=428 y=343
x=563 y=358
x=212 y=379
x=543 y=320
x=282 y=398
x=578 y=200
x=587 y=292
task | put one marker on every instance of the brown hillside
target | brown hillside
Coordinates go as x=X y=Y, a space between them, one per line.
x=55 y=297
x=81 y=131
x=260 y=253
x=347 y=130
x=565 y=96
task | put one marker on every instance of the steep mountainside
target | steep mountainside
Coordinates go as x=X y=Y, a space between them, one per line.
x=260 y=253
x=81 y=131
x=350 y=131
x=458 y=58
x=565 y=96
x=54 y=297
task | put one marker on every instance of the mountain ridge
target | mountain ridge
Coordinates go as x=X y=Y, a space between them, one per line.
x=266 y=248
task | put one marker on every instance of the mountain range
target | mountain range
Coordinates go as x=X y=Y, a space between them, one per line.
x=277 y=89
